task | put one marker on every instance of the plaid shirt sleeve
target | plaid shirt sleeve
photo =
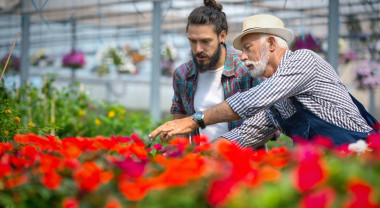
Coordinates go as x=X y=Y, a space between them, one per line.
x=177 y=103
x=255 y=131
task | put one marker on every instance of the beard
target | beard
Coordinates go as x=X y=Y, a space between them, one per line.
x=201 y=66
x=259 y=66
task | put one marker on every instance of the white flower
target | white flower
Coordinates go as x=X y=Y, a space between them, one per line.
x=360 y=146
x=168 y=51
x=111 y=56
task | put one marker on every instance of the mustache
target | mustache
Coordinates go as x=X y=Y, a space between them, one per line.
x=201 y=55
x=250 y=63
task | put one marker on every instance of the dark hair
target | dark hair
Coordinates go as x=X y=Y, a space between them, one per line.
x=211 y=13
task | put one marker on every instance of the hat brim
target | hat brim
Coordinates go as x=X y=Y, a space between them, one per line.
x=283 y=33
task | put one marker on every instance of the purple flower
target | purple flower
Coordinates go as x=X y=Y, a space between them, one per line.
x=13 y=64
x=348 y=56
x=367 y=75
x=310 y=42
x=74 y=59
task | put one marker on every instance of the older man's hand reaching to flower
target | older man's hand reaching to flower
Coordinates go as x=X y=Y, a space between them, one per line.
x=219 y=113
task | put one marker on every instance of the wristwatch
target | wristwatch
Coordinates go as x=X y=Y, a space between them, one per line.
x=198 y=117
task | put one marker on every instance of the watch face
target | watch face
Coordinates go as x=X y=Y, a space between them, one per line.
x=198 y=115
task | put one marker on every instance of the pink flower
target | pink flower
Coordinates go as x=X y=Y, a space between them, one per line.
x=131 y=167
x=319 y=199
x=157 y=146
x=74 y=59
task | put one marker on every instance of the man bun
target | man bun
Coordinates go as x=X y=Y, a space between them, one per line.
x=213 y=4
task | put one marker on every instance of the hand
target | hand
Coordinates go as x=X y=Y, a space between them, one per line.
x=175 y=127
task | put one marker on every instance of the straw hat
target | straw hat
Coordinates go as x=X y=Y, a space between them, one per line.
x=263 y=23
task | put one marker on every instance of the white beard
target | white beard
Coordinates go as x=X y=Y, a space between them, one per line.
x=259 y=66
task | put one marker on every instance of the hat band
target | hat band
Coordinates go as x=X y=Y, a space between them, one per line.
x=252 y=28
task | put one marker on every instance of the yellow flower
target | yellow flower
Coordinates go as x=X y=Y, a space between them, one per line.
x=81 y=112
x=8 y=111
x=122 y=111
x=16 y=119
x=31 y=124
x=121 y=117
x=111 y=114
x=98 y=122
x=6 y=132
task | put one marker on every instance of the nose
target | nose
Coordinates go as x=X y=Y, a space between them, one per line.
x=198 y=48
x=243 y=56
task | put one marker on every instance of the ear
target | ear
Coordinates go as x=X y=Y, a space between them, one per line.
x=272 y=43
x=222 y=36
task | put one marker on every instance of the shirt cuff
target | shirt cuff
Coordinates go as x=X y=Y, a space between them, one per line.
x=233 y=136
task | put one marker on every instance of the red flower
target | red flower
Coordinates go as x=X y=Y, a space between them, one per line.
x=105 y=143
x=71 y=163
x=238 y=168
x=310 y=171
x=88 y=177
x=29 y=151
x=6 y=170
x=218 y=192
x=179 y=171
x=374 y=141
x=70 y=203
x=51 y=179
x=71 y=147
x=201 y=138
x=16 y=180
x=4 y=146
x=203 y=147
x=50 y=143
x=323 y=142
x=138 y=150
x=113 y=202
x=137 y=140
x=319 y=199
x=361 y=192
x=135 y=190
x=49 y=163
x=120 y=139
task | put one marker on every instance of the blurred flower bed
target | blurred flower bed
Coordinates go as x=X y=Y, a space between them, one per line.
x=64 y=112
x=120 y=171
x=99 y=155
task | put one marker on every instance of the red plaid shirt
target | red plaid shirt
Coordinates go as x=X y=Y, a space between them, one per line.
x=235 y=79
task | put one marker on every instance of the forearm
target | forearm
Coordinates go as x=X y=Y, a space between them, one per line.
x=220 y=113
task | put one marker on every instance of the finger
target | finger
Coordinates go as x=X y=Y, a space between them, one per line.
x=154 y=133
x=172 y=133
x=162 y=137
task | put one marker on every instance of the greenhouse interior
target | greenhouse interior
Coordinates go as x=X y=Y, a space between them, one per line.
x=85 y=83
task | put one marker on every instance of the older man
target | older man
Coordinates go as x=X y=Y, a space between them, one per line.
x=302 y=94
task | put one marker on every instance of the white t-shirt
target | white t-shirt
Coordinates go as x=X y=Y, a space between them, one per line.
x=209 y=93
